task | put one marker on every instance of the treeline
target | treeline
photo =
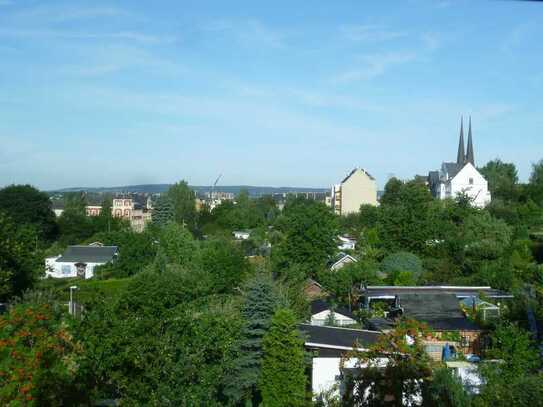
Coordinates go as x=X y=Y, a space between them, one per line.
x=203 y=320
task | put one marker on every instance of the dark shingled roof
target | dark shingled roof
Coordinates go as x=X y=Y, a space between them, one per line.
x=321 y=305
x=88 y=254
x=459 y=291
x=452 y=169
x=340 y=337
x=440 y=311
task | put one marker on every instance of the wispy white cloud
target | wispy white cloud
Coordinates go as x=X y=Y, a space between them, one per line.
x=372 y=66
x=46 y=14
x=431 y=40
x=247 y=32
x=369 y=33
x=518 y=37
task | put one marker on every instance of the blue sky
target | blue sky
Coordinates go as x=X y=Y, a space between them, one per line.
x=275 y=93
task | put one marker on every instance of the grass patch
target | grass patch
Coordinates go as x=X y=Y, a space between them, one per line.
x=87 y=289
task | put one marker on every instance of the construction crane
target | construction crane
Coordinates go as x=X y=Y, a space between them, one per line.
x=214 y=185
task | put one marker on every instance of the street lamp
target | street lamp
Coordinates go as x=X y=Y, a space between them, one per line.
x=72 y=308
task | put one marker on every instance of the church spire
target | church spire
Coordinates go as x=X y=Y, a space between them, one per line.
x=470 y=156
x=461 y=158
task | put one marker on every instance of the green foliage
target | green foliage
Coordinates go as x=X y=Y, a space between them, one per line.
x=260 y=303
x=402 y=268
x=406 y=220
x=399 y=382
x=163 y=211
x=136 y=251
x=502 y=179
x=38 y=358
x=283 y=379
x=344 y=283
x=445 y=389
x=175 y=340
x=536 y=183
x=225 y=263
x=309 y=235
x=26 y=205
x=183 y=200
x=176 y=244
x=20 y=260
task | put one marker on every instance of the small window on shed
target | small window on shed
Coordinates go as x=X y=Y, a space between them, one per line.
x=471 y=181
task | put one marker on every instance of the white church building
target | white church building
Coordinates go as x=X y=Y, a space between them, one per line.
x=461 y=177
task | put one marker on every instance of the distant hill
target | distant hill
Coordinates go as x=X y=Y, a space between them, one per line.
x=158 y=188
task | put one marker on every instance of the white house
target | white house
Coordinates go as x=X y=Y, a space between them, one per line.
x=79 y=261
x=321 y=313
x=241 y=235
x=461 y=177
x=341 y=260
x=346 y=243
x=328 y=345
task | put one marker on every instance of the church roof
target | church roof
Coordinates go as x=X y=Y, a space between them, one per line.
x=452 y=169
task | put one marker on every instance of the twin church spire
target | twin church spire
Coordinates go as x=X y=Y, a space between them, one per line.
x=469 y=157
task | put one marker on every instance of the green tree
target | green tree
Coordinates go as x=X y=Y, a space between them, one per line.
x=502 y=179
x=183 y=200
x=402 y=268
x=38 y=358
x=175 y=337
x=225 y=263
x=309 y=235
x=400 y=381
x=136 y=251
x=26 y=205
x=445 y=389
x=535 y=188
x=74 y=227
x=177 y=244
x=283 y=380
x=407 y=221
x=514 y=379
x=20 y=259
x=260 y=303
x=163 y=211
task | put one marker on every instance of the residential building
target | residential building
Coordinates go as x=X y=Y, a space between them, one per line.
x=328 y=345
x=93 y=210
x=322 y=313
x=346 y=243
x=341 y=260
x=241 y=234
x=313 y=290
x=445 y=319
x=79 y=261
x=122 y=207
x=461 y=177
x=357 y=188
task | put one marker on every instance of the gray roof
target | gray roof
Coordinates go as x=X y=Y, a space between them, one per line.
x=88 y=254
x=459 y=291
x=338 y=337
x=440 y=311
x=452 y=169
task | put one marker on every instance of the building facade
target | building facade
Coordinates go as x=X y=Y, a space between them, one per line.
x=461 y=177
x=358 y=188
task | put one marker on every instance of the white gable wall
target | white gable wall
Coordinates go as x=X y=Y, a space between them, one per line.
x=320 y=319
x=65 y=270
x=470 y=182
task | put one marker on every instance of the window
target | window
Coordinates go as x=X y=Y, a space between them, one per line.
x=66 y=270
x=471 y=181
